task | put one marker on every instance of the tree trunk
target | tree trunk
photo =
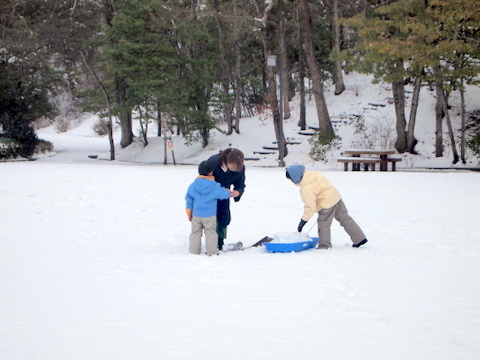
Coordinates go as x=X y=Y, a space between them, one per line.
x=108 y=103
x=302 y=121
x=284 y=62
x=272 y=97
x=143 y=126
x=326 y=132
x=165 y=150
x=124 y=114
x=398 y=89
x=238 y=70
x=159 y=120
x=270 y=79
x=462 y=113
x=337 y=65
x=439 y=114
x=227 y=104
x=450 y=128
x=204 y=131
x=411 y=141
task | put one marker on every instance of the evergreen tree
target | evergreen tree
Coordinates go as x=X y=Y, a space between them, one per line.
x=455 y=59
x=167 y=55
x=142 y=52
x=416 y=38
x=25 y=75
x=379 y=53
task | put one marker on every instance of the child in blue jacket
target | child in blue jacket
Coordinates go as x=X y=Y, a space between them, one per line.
x=201 y=207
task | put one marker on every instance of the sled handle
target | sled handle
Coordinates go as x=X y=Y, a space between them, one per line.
x=311 y=228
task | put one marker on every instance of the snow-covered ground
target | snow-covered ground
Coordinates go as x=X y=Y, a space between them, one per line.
x=94 y=259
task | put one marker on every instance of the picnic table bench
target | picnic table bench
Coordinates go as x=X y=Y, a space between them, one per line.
x=366 y=161
x=379 y=156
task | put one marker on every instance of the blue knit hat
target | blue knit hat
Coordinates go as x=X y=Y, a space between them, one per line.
x=295 y=173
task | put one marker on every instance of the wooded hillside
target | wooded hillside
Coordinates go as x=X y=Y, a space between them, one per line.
x=189 y=64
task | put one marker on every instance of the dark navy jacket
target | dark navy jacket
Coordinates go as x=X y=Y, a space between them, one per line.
x=226 y=180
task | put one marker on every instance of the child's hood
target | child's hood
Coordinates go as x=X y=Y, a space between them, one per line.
x=310 y=177
x=204 y=184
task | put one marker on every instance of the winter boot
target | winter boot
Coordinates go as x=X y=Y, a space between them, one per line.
x=363 y=242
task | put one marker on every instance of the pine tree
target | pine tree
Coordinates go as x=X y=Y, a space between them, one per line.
x=141 y=52
x=168 y=57
x=26 y=77
x=431 y=40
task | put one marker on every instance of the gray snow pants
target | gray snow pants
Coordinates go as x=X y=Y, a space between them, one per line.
x=199 y=225
x=340 y=213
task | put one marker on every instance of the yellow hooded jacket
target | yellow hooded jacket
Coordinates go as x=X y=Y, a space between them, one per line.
x=317 y=193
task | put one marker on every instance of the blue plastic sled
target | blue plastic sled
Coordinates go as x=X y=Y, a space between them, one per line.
x=289 y=247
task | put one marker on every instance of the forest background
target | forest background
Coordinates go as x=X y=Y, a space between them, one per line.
x=188 y=65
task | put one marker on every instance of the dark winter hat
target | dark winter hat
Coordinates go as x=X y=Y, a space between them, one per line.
x=205 y=168
x=295 y=173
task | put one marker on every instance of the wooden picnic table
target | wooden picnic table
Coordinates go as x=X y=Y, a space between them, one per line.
x=383 y=154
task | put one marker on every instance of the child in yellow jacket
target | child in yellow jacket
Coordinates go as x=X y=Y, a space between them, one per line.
x=320 y=196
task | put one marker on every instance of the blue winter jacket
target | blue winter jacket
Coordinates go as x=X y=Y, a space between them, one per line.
x=202 y=196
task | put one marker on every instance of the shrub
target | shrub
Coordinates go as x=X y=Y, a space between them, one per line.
x=25 y=136
x=320 y=151
x=11 y=149
x=377 y=133
x=43 y=146
x=8 y=148
x=101 y=127
x=474 y=145
x=62 y=125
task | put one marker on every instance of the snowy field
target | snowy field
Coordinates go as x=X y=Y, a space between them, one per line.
x=94 y=260
x=94 y=265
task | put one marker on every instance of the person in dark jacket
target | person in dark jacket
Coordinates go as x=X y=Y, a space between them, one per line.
x=229 y=171
x=201 y=208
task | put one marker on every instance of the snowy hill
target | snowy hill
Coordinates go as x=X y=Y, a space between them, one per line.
x=361 y=98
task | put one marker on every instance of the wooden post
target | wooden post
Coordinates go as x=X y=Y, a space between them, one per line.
x=171 y=147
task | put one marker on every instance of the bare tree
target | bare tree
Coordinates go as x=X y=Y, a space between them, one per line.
x=302 y=121
x=225 y=71
x=411 y=141
x=107 y=103
x=238 y=68
x=398 y=90
x=261 y=19
x=284 y=61
x=439 y=114
x=325 y=125
x=449 y=125
x=121 y=86
x=337 y=64
x=463 y=123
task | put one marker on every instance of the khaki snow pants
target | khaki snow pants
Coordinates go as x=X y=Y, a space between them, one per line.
x=340 y=213
x=209 y=226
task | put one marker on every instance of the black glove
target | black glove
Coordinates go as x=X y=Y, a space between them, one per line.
x=301 y=224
